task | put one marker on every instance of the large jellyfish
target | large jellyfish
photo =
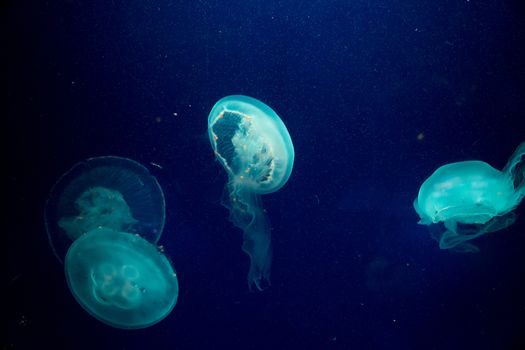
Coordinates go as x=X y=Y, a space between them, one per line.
x=112 y=192
x=120 y=278
x=254 y=147
x=471 y=198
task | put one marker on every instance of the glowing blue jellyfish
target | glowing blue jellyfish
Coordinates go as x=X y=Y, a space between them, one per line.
x=112 y=192
x=254 y=147
x=471 y=198
x=121 y=279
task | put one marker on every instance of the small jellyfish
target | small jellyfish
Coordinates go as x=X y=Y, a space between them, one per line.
x=121 y=279
x=470 y=199
x=113 y=192
x=254 y=147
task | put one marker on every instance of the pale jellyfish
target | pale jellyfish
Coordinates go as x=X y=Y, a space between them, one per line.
x=254 y=147
x=113 y=192
x=121 y=279
x=471 y=198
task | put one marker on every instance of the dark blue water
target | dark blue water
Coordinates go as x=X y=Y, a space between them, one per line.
x=355 y=82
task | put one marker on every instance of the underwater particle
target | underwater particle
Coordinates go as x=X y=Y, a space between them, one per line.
x=121 y=279
x=254 y=147
x=470 y=199
x=156 y=165
x=23 y=321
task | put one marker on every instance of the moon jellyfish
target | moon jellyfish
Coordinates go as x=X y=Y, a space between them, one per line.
x=112 y=192
x=471 y=199
x=120 y=278
x=254 y=147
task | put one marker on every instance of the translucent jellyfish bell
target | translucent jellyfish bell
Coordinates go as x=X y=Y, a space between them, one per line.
x=254 y=147
x=121 y=279
x=112 y=192
x=471 y=198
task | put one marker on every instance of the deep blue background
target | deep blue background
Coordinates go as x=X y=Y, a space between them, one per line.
x=355 y=82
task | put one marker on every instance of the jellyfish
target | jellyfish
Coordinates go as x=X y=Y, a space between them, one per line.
x=470 y=199
x=254 y=147
x=112 y=192
x=120 y=278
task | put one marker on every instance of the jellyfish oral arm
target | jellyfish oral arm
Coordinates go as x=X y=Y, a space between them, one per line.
x=246 y=213
x=515 y=172
x=257 y=244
